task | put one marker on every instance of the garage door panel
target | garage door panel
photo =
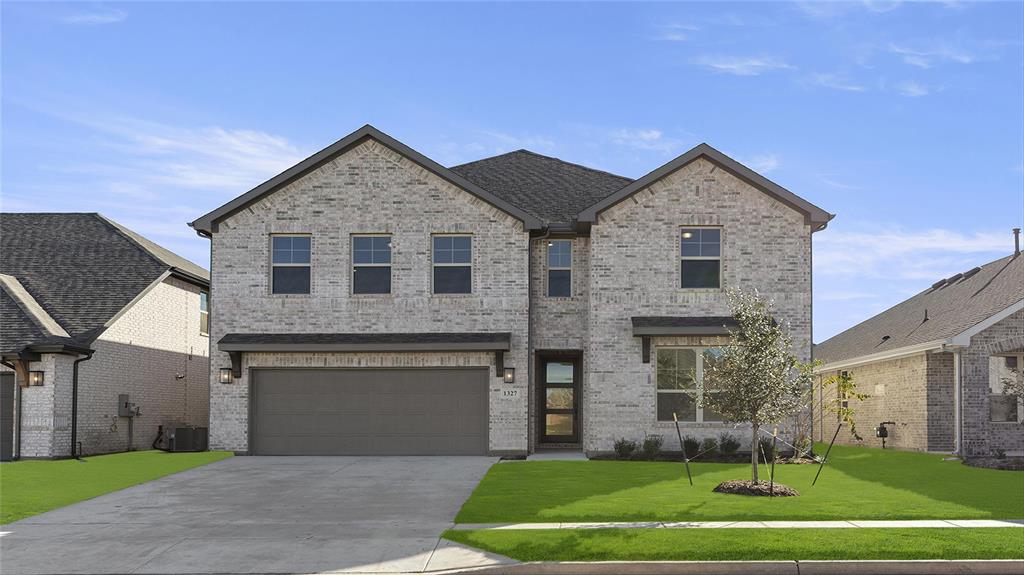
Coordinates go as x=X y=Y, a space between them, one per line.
x=369 y=411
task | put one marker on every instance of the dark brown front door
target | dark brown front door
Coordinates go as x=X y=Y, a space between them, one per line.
x=559 y=399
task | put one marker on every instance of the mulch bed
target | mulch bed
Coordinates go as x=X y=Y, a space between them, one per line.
x=1004 y=463
x=761 y=488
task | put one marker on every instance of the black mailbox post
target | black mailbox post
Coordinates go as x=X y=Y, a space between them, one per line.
x=882 y=431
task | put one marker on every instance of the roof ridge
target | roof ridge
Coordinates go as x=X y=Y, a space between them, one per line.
x=153 y=249
x=546 y=157
x=31 y=306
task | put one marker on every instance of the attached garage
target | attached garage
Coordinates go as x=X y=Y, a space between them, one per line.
x=377 y=411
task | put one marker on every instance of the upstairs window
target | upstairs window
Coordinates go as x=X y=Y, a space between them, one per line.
x=371 y=264
x=204 y=313
x=560 y=268
x=290 y=268
x=453 y=264
x=700 y=265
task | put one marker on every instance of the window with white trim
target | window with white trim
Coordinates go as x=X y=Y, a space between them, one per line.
x=290 y=264
x=560 y=268
x=453 y=264
x=700 y=258
x=680 y=383
x=371 y=264
x=1004 y=407
x=204 y=313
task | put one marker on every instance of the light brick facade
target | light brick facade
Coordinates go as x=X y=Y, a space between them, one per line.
x=154 y=352
x=629 y=265
x=918 y=392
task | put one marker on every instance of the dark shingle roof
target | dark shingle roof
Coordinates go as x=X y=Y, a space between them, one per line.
x=17 y=328
x=952 y=308
x=549 y=188
x=81 y=268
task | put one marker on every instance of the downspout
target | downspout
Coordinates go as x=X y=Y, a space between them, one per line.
x=74 y=404
x=17 y=424
x=957 y=402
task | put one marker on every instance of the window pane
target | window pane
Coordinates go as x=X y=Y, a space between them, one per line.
x=1011 y=362
x=462 y=257
x=700 y=273
x=204 y=301
x=711 y=414
x=362 y=257
x=559 y=283
x=461 y=242
x=362 y=243
x=690 y=235
x=1002 y=408
x=204 y=323
x=558 y=424
x=668 y=359
x=712 y=356
x=291 y=280
x=442 y=256
x=710 y=250
x=691 y=250
x=300 y=256
x=710 y=236
x=560 y=254
x=453 y=279
x=559 y=398
x=558 y=372
x=282 y=243
x=371 y=280
x=681 y=404
x=282 y=256
x=300 y=243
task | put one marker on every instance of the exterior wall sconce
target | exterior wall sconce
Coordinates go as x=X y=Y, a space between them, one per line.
x=35 y=378
x=225 y=375
x=509 y=375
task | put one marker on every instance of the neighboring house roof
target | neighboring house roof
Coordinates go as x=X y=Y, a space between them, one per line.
x=813 y=214
x=551 y=189
x=537 y=190
x=73 y=273
x=954 y=307
x=208 y=223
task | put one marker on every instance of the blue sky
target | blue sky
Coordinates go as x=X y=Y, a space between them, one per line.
x=906 y=119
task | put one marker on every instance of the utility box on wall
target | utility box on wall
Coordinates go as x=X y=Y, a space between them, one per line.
x=125 y=408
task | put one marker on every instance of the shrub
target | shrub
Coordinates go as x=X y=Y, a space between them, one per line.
x=999 y=453
x=767 y=453
x=728 y=444
x=709 y=446
x=624 y=448
x=691 y=445
x=652 y=446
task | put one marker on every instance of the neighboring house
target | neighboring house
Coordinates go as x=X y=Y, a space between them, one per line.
x=371 y=301
x=82 y=294
x=935 y=366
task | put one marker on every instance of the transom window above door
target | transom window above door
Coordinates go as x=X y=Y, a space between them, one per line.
x=700 y=263
x=453 y=264
x=290 y=264
x=371 y=264
x=680 y=383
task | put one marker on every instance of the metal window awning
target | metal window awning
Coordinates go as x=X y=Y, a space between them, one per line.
x=237 y=343
x=645 y=327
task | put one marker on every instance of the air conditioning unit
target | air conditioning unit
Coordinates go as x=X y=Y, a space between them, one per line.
x=188 y=438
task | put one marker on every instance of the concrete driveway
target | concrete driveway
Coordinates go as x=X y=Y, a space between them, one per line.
x=257 y=515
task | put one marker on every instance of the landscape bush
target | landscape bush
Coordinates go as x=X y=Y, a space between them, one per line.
x=624 y=448
x=652 y=446
x=728 y=444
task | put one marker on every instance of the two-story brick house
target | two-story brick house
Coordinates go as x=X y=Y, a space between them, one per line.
x=371 y=301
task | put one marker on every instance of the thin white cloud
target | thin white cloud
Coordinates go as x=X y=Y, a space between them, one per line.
x=645 y=139
x=96 y=17
x=836 y=82
x=827 y=10
x=676 y=32
x=925 y=56
x=913 y=89
x=763 y=163
x=897 y=254
x=835 y=183
x=741 y=65
x=505 y=142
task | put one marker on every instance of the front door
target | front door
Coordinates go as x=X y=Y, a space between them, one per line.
x=559 y=399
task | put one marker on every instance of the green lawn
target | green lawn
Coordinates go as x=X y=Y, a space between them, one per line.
x=746 y=544
x=858 y=483
x=31 y=487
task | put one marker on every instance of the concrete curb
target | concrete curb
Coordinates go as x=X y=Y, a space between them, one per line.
x=916 y=567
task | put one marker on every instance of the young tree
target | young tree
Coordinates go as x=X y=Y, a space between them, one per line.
x=758 y=379
x=839 y=402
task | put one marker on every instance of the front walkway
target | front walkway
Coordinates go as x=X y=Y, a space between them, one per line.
x=887 y=524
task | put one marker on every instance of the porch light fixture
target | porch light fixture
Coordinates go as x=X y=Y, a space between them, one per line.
x=225 y=375
x=509 y=376
x=35 y=378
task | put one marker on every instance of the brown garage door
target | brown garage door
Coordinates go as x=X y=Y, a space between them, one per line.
x=369 y=411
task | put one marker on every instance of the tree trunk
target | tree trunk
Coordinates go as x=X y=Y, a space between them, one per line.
x=754 y=445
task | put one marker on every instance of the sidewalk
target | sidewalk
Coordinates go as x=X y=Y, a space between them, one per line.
x=853 y=524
